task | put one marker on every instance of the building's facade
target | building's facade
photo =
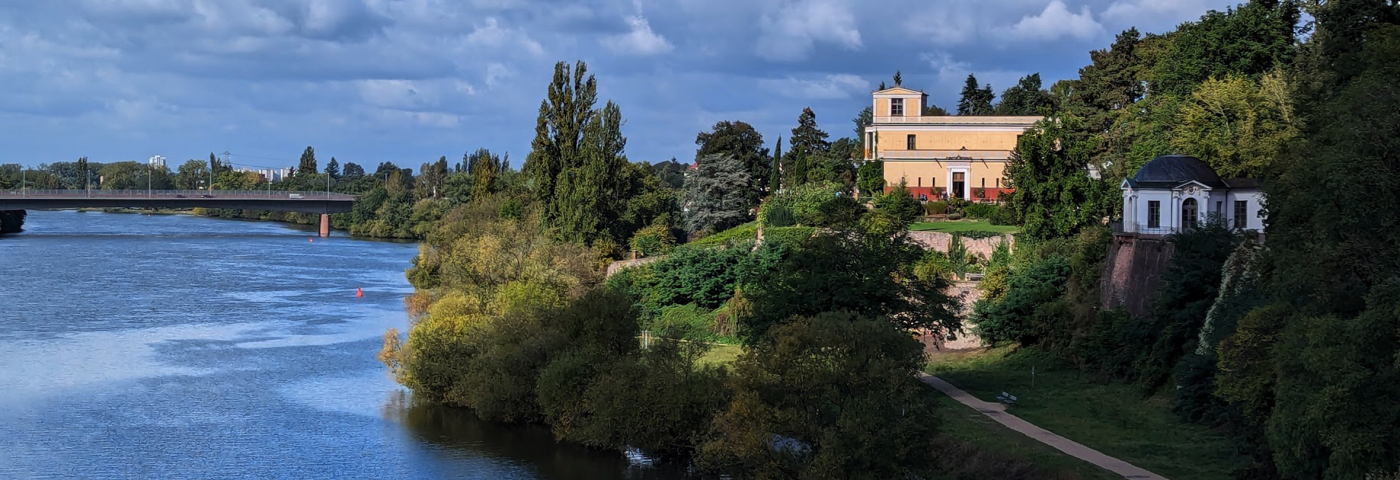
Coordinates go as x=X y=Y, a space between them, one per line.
x=157 y=161
x=1173 y=193
x=940 y=156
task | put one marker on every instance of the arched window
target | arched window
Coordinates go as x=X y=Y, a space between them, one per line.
x=1188 y=213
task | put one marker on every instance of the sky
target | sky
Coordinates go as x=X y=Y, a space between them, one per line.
x=409 y=81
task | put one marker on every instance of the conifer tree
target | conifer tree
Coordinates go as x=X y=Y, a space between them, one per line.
x=974 y=100
x=307 y=166
x=775 y=173
x=808 y=143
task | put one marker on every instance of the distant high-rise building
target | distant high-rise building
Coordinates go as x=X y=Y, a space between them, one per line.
x=157 y=161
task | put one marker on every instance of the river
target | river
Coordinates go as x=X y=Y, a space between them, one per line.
x=171 y=346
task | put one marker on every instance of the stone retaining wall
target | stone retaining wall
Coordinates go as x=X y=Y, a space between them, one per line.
x=978 y=246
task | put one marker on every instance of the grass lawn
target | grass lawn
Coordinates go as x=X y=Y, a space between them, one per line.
x=721 y=354
x=955 y=226
x=1113 y=418
x=976 y=430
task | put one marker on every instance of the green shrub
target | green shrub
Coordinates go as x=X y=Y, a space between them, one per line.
x=980 y=210
x=789 y=236
x=653 y=240
x=777 y=213
x=936 y=208
x=1004 y=215
x=900 y=204
x=683 y=322
x=955 y=216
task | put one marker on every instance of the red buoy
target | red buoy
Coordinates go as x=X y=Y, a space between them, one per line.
x=359 y=293
x=310 y=240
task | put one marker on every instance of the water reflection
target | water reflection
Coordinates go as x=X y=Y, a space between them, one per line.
x=460 y=430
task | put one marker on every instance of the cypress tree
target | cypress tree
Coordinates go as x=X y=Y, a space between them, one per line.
x=775 y=172
x=308 y=161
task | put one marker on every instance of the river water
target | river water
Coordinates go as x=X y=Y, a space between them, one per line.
x=170 y=346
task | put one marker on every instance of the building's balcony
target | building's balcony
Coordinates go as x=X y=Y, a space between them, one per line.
x=945 y=154
x=990 y=121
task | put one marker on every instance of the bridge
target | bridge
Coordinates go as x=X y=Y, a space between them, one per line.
x=323 y=203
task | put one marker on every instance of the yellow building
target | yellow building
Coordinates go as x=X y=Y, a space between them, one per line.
x=938 y=156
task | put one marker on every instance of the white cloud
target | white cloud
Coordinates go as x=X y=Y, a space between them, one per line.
x=492 y=35
x=941 y=26
x=497 y=72
x=830 y=87
x=1056 y=22
x=793 y=31
x=640 y=41
x=1156 y=15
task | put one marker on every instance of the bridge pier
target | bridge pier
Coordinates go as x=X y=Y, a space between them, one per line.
x=325 y=225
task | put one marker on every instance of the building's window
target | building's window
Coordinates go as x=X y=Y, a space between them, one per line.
x=910 y=142
x=896 y=107
x=984 y=182
x=1154 y=214
x=921 y=182
x=1219 y=208
x=1188 y=213
x=1241 y=215
x=998 y=182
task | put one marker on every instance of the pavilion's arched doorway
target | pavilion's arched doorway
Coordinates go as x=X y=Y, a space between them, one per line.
x=1188 y=214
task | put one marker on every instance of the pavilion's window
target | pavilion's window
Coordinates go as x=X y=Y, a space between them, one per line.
x=910 y=142
x=1241 y=214
x=1154 y=214
x=896 y=107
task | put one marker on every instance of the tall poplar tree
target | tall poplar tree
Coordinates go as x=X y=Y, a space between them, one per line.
x=565 y=111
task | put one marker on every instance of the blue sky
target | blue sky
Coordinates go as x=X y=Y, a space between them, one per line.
x=411 y=80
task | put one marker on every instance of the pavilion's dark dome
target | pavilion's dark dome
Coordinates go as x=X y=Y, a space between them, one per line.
x=1173 y=170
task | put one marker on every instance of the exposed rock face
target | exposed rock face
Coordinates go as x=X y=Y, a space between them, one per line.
x=1133 y=272
x=967 y=293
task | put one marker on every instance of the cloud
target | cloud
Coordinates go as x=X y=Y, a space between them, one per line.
x=830 y=87
x=640 y=41
x=793 y=31
x=1156 y=15
x=1056 y=22
x=493 y=35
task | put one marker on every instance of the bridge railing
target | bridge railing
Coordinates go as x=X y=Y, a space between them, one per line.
x=225 y=194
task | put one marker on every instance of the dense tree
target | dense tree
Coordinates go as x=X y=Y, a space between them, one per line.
x=1319 y=366
x=806 y=147
x=1025 y=98
x=1237 y=125
x=565 y=111
x=863 y=119
x=590 y=195
x=974 y=100
x=353 y=172
x=717 y=193
x=739 y=140
x=1249 y=40
x=863 y=265
x=333 y=169
x=191 y=175
x=431 y=180
x=672 y=173
x=871 y=178
x=935 y=111
x=307 y=165
x=828 y=396
x=1054 y=195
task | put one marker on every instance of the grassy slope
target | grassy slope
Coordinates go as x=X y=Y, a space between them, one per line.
x=954 y=226
x=996 y=447
x=747 y=231
x=976 y=430
x=1112 y=418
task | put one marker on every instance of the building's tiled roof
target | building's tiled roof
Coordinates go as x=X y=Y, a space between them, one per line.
x=1169 y=171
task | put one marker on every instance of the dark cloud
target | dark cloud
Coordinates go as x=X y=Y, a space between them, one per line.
x=410 y=80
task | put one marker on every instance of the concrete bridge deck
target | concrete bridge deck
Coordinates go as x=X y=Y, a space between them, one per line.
x=308 y=202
